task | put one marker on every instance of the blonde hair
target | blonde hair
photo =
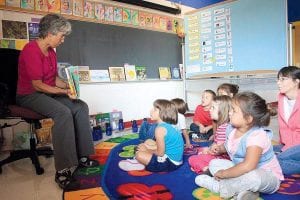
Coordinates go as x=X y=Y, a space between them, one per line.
x=224 y=108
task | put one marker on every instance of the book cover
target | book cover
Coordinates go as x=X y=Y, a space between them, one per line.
x=89 y=9
x=13 y=3
x=61 y=70
x=141 y=72
x=84 y=75
x=41 y=5
x=27 y=4
x=130 y=72
x=101 y=75
x=117 y=14
x=175 y=72
x=116 y=73
x=99 y=11
x=164 y=73
x=73 y=80
x=102 y=119
x=115 y=116
x=109 y=13
x=78 y=8
x=135 y=17
x=126 y=15
x=53 y=6
x=66 y=7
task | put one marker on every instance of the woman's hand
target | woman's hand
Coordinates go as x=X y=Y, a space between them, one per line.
x=70 y=94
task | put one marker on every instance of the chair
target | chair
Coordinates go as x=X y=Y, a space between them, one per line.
x=9 y=76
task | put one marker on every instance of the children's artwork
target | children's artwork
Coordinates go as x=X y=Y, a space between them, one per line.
x=149 y=20
x=169 y=24
x=41 y=5
x=14 y=29
x=99 y=11
x=33 y=31
x=101 y=75
x=53 y=6
x=13 y=3
x=141 y=73
x=66 y=7
x=109 y=13
x=78 y=8
x=126 y=15
x=117 y=14
x=130 y=72
x=89 y=9
x=116 y=73
x=20 y=44
x=163 y=23
x=164 y=73
x=175 y=72
x=135 y=17
x=142 y=19
x=156 y=23
x=27 y=4
x=10 y=44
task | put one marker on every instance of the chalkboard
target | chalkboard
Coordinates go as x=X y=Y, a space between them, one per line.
x=101 y=45
x=236 y=36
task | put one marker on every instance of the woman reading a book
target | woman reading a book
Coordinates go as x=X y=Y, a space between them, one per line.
x=41 y=90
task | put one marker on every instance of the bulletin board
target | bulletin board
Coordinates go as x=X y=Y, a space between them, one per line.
x=236 y=36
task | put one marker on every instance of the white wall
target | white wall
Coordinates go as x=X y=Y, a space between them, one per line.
x=134 y=99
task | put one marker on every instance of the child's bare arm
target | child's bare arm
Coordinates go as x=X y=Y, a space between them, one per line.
x=187 y=138
x=160 y=133
x=250 y=162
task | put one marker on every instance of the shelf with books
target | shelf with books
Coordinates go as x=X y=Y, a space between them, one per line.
x=129 y=82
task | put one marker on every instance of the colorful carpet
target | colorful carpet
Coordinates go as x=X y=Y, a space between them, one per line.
x=108 y=181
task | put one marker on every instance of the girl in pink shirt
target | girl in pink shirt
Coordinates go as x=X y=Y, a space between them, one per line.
x=219 y=112
x=254 y=167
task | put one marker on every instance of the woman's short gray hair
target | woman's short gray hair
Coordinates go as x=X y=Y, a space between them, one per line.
x=54 y=23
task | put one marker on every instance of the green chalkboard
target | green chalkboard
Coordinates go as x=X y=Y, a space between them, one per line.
x=101 y=45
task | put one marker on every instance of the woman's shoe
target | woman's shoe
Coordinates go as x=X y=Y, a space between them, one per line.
x=87 y=162
x=65 y=180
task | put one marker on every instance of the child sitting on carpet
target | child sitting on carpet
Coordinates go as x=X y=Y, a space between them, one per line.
x=228 y=89
x=254 y=167
x=202 y=122
x=219 y=112
x=182 y=107
x=168 y=155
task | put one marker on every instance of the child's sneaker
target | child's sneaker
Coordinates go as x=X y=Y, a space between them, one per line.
x=208 y=182
x=247 y=195
x=131 y=165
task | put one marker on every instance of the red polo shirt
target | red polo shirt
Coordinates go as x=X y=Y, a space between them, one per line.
x=34 y=65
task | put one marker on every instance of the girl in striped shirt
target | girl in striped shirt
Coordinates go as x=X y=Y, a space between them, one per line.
x=220 y=114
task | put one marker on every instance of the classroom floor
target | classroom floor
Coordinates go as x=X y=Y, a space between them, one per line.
x=19 y=181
